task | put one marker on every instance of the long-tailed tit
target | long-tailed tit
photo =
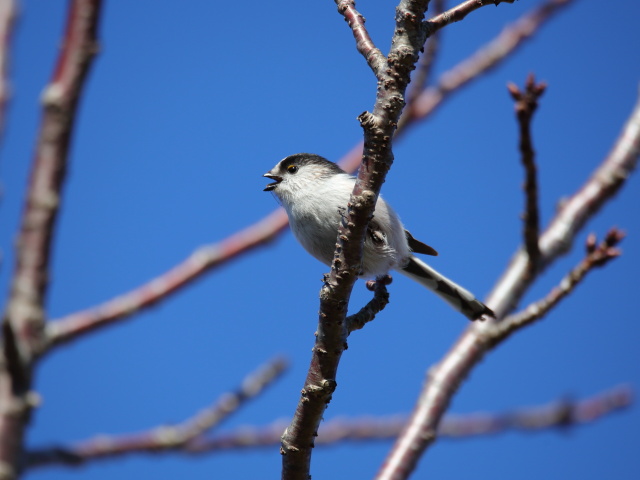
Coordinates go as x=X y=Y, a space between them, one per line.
x=315 y=192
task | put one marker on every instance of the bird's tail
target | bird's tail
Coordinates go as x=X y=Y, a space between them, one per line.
x=452 y=293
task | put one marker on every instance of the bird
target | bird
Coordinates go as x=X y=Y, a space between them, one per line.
x=314 y=193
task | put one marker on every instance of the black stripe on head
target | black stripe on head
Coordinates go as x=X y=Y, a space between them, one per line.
x=302 y=159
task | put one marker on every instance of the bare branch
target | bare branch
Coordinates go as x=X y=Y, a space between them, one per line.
x=459 y=12
x=421 y=77
x=560 y=414
x=24 y=318
x=379 y=127
x=8 y=13
x=446 y=376
x=71 y=327
x=331 y=339
x=486 y=58
x=364 y=44
x=597 y=256
x=25 y=306
x=165 y=438
x=376 y=305
x=525 y=106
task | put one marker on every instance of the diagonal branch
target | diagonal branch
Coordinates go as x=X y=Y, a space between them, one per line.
x=458 y=13
x=597 y=256
x=165 y=438
x=445 y=377
x=484 y=59
x=364 y=44
x=202 y=260
x=526 y=103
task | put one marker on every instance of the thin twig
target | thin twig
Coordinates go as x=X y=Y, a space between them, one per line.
x=420 y=78
x=526 y=103
x=164 y=438
x=458 y=13
x=364 y=44
x=484 y=59
x=379 y=301
x=205 y=259
x=560 y=414
x=597 y=256
x=446 y=376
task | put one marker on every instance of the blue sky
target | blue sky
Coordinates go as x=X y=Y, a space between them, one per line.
x=188 y=106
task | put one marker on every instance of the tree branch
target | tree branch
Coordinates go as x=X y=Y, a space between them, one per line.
x=164 y=438
x=75 y=325
x=445 y=377
x=379 y=301
x=421 y=77
x=24 y=317
x=364 y=44
x=8 y=13
x=597 y=256
x=379 y=127
x=487 y=57
x=561 y=414
x=526 y=103
x=459 y=12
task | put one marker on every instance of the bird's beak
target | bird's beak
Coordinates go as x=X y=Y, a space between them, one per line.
x=273 y=185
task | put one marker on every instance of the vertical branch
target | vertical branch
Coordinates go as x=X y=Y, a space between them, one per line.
x=8 y=12
x=24 y=318
x=526 y=103
x=379 y=127
x=421 y=77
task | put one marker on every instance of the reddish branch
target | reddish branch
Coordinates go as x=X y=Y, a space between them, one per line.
x=420 y=78
x=459 y=12
x=207 y=258
x=370 y=310
x=200 y=261
x=597 y=256
x=526 y=103
x=379 y=127
x=486 y=58
x=7 y=19
x=24 y=318
x=164 y=438
x=446 y=376
x=560 y=414
x=364 y=44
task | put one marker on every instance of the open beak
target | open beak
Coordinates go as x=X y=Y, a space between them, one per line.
x=273 y=185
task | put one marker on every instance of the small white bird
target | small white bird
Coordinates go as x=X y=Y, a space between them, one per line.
x=315 y=192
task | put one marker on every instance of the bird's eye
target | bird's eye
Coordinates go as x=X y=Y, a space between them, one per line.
x=292 y=168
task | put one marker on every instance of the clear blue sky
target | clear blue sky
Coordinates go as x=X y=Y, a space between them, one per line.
x=187 y=106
